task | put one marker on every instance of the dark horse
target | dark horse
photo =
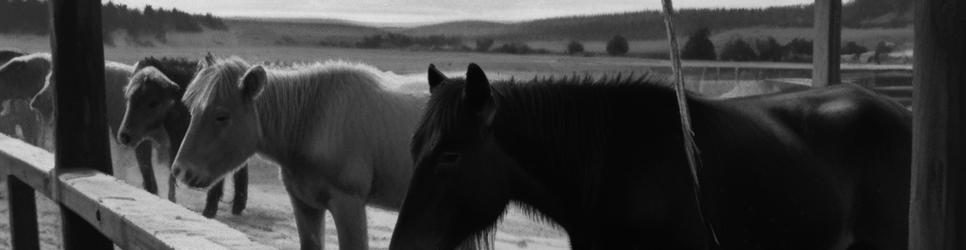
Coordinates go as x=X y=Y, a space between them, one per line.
x=154 y=105
x=604 y=159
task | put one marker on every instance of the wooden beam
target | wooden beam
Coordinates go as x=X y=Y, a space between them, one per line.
x=81 y=128
x=938 y=208
x=825 y=47
x=129 y=216
x=23 y=216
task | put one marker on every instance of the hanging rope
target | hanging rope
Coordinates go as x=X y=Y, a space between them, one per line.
x=689 y=146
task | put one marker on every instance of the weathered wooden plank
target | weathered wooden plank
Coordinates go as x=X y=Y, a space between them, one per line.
x=825 y=47
x=130 y=217
x=938 y=206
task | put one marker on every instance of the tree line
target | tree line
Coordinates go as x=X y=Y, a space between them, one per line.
x=31 y=17
x=700 y=47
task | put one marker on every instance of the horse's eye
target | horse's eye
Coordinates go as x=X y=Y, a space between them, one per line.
x=222 y=118
x=449 y=158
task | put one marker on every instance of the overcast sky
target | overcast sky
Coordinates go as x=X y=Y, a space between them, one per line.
x=424 y=11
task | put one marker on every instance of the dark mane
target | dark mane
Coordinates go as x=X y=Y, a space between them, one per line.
x=179 y=70
x=520 y=97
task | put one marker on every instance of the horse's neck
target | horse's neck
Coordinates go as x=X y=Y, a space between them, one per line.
x=176 y=123
x=279 y=113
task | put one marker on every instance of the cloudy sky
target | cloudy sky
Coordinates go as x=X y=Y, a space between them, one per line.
x=427 y=11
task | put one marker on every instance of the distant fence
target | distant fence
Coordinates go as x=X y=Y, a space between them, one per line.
x=714 y=78
x=130 y=217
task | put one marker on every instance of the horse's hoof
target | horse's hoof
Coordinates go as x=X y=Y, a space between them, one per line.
x=209 y=213
x=236 y=208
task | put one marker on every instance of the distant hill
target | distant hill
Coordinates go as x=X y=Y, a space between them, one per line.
x=297 y=32
x=461 y=28
x=646 y=25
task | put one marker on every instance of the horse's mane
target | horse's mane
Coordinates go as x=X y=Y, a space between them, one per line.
x=219 y=81
x=310 y=78
x=521 y=96
x=42 y=57
x=6 y=55
x=178 y=70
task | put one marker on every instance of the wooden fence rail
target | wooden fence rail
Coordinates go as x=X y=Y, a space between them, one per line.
x=130 y=217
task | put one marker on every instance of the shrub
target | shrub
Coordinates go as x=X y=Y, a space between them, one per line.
x=738 y=50
x=514 y=48
x=575 y=47
x=798 y=50
x=769 y=49
x=484 y=44
x=852 y=48
x=617 y=46
x=699 y=46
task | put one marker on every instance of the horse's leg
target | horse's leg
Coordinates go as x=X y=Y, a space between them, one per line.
x=214 y=196
x=142 y=152
x=349 y=213
x=172 y=187
x=241 y=190
x=310 y=222
x=29 y=128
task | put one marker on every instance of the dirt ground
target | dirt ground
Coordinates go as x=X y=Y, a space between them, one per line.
x=268 y=218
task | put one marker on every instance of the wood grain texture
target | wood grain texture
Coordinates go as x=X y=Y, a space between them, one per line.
x=938 y=205
x=825 y=47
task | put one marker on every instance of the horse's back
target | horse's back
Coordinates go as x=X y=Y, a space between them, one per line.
x=867 y=139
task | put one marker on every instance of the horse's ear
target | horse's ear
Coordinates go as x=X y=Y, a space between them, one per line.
x=476 y=94
x=253 y=82
x=435 y=77
x=209 y=59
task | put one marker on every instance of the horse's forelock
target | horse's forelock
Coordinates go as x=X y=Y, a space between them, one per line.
x=215 y=82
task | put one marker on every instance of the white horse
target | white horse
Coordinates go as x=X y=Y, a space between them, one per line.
x=339 y=131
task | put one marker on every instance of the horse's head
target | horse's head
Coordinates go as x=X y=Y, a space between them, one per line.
x=43 y=101
x=23 y=76
x=460 y=185
x=149 y=96
x=224 y=129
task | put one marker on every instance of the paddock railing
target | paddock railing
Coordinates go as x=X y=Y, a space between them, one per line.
x=130 y=217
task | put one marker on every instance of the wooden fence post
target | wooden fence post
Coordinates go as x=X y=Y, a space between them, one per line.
x=80 y=128
x=825 y=47
x=938 y=206
x=23 y=215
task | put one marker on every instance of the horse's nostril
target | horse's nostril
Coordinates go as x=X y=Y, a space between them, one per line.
x=124 y=138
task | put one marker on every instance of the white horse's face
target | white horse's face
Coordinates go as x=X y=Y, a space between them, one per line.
x=224 y=131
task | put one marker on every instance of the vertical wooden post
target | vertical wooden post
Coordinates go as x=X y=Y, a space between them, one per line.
x=938 y=208
x=23 y=215
x=737 y=76
x=825 y=47
x=81 y=128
